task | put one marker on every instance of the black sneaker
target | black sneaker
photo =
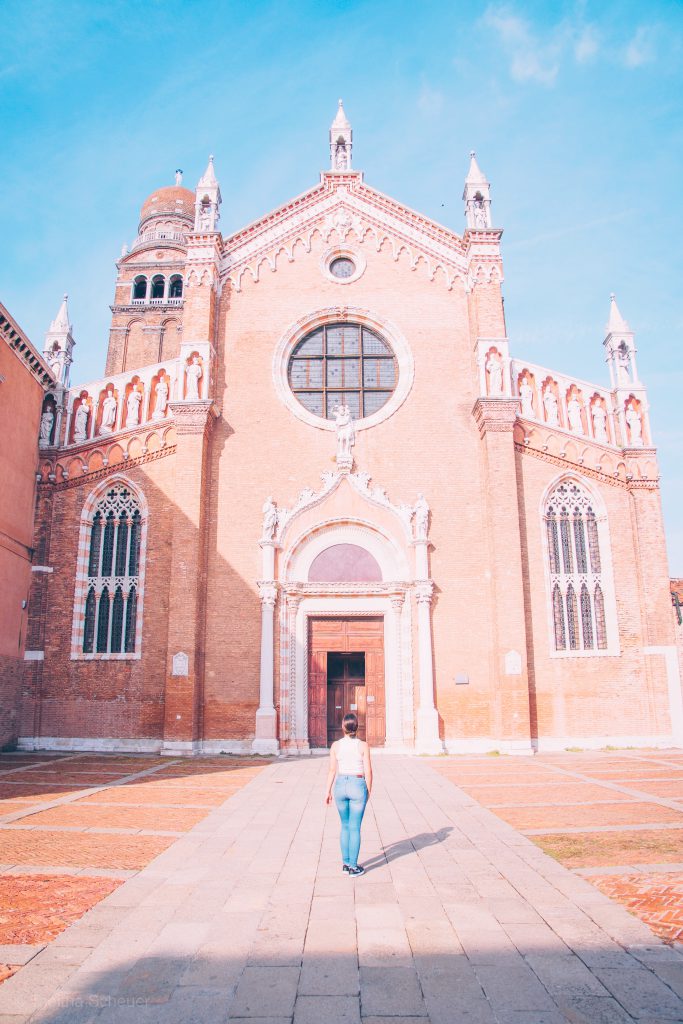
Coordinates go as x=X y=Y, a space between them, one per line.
x=345 y=867
x=359 y=870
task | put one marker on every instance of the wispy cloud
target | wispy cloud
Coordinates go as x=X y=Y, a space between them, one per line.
x=537 y=53
x=641 y=49
x=586 y=46
x=532 y=58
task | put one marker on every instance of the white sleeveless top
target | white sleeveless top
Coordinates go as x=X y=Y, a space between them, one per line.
x=349 y=757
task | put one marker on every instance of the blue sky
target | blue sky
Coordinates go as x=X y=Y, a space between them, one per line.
x=574 y=111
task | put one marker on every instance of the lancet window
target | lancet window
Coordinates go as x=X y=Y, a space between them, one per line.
x=575 y=565
x=108 y=599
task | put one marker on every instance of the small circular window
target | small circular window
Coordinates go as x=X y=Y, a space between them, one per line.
x=342 y=267
x=342 y=364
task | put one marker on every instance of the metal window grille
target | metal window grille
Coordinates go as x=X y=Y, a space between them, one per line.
x=572 y=619
x=600 y=626
x=593 y=545
x=558 y=620
x=89 y=626
x=580 y=543
x=553 y=545
x=586 y=619
x=565 y=534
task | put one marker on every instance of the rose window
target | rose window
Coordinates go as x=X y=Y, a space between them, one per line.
x=342 y=364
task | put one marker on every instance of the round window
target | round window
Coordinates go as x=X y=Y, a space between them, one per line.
x=342 y=267
x=342 y=364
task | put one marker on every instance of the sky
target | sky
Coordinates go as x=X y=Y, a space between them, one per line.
x=574 y=111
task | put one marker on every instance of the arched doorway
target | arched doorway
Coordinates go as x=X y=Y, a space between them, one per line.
x=345 y=626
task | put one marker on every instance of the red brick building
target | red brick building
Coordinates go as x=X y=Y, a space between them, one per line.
x=316 y=476
x=24 y=378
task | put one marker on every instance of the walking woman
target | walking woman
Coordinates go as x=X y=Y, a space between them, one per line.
x=351 y=766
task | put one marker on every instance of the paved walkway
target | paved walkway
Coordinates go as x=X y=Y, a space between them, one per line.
x=248 y=918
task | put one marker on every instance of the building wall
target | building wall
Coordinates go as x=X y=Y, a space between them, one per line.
x=21 y=397
x=430 y=444
x=447 y=441
x=575 y=695
x=98 y=698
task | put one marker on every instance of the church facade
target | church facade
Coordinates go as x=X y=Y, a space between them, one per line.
x=315 y=477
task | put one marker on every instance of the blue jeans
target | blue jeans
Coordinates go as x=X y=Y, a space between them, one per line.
x=350 y=796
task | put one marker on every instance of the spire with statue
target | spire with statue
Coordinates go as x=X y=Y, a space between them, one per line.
x=477 y=197
x=59 y=343
x=208 y=200
x=341 y=141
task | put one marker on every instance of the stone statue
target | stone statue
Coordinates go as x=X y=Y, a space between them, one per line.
x=346 y=436
x=574 y=414
x=635 y=424
x=527 y=396
x=340 y=159
x=550 y=406
x=81 y=423
x=495 y=371
x=46 y=423
x=599 y=423
x=178 y=177
x=109 y=406
x=623 y=365
x=421 y=513
x=269 y=519
x=133 y=408
x=205 y=217
x=479 y=214
x=161 y=392
x=194 y=374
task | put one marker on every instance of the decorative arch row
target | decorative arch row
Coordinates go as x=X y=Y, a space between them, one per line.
x=110 y=573
x=157 y=288
x=566 y=405
x=579 y=582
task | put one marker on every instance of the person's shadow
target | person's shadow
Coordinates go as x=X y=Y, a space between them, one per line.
x=406 y=847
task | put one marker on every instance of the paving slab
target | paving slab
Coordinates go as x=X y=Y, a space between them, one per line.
x=247 y=917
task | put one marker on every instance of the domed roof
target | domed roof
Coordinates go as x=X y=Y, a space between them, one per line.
x=174 y=199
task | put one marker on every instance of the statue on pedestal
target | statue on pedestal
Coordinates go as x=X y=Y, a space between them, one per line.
x=421 y=513
x=600 y=423
x=133 y=408
x=161 y=392
x=346 y=436
x=635 y=424
x=193 y=375
x=574 y=414
x=269 y=519
x=81 y=423
x=109 y=406
x=550 y=406
x=46 y=423
x=495 y=372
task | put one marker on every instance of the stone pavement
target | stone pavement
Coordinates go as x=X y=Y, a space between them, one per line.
x=615 y=817
x=248 y=918
x=74 y=826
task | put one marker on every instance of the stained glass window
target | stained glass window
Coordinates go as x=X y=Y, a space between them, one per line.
x=110 y=592
x=342 y=364
x=575 y=566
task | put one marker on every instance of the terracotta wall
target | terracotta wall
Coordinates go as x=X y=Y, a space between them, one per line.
x=21 y=397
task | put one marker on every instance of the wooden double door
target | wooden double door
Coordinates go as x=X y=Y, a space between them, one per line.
x=346 y=673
